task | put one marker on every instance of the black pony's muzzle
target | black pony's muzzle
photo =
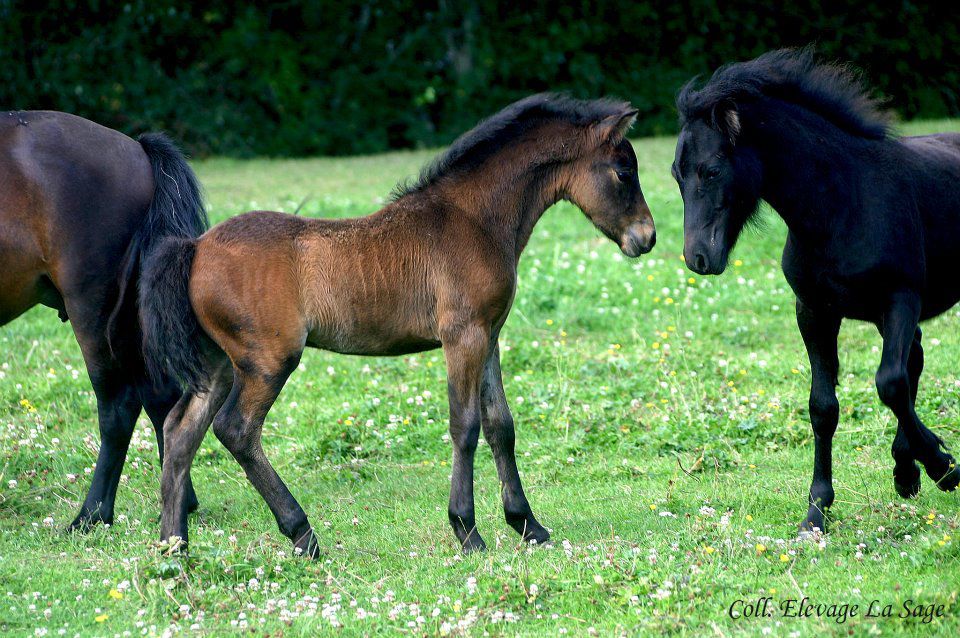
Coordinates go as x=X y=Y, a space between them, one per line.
x=703 y=261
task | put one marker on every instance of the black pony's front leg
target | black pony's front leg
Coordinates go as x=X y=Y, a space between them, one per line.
x=899 y=326
x=906 y=474
x=819 y=330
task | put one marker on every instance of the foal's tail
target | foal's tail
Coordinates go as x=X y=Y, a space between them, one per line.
x=176 y=210
x=171 y=334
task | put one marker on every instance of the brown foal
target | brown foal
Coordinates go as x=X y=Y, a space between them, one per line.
x=231 y=312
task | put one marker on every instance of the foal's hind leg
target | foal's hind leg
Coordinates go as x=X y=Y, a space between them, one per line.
x=158 y=399
x=893 y=386
x=183 y=432
x=239 y=426
x=498 y=430
x=906 y=474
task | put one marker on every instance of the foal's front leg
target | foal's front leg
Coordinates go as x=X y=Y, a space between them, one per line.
x=819 y=330
x=894 y=387
x=465 y=349
x=498 y=430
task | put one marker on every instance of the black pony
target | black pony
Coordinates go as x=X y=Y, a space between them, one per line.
x=80 y=206
x=873 y=219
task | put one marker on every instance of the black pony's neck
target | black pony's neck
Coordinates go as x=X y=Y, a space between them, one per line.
x=808 y=165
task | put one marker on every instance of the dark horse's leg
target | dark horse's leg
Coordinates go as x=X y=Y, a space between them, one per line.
x=118 y=404
x=906 y=474
x=899 y=325
x=117 y=409
x=158 y=399
x=819 y=330
x=239 y=426
x=466 y=350
x=498 y=430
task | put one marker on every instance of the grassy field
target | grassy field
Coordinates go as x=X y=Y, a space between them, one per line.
x=662 y=433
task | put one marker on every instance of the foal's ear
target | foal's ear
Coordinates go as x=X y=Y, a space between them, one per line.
x=613 y=128
x=726 y=119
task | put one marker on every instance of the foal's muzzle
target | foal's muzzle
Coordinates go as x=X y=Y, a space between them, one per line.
x=639 y=238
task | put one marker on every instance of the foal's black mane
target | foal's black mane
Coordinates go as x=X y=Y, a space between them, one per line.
x=489 y=136
x=835 y=92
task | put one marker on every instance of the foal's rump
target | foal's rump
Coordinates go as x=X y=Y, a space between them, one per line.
x=235 y=289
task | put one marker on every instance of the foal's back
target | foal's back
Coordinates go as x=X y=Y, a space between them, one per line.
x=375 y=285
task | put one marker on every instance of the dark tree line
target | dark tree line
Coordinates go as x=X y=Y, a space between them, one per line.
x=295 y=77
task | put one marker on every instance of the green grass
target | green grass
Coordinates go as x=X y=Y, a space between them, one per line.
x=662 y=434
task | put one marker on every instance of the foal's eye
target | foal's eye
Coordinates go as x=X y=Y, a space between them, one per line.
x=624 y=175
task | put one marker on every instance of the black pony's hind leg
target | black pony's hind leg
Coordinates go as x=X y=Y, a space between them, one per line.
x=158 y=399
x=906 y=474
x=893 y=386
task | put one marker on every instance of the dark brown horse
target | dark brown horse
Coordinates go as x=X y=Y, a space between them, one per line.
x=231 y=313
x=79 y=206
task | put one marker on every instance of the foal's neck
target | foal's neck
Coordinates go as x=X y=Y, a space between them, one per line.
x=508 y=202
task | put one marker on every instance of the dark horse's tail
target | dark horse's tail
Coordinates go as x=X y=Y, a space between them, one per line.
x=176 y=211
x=171 y=334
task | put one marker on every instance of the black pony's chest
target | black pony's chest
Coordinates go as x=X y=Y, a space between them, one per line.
x=845 y=281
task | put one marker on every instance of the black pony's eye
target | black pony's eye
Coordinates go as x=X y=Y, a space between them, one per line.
x=711 y=173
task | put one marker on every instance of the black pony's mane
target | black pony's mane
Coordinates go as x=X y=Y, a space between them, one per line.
x=835 y=92
x=489 y=136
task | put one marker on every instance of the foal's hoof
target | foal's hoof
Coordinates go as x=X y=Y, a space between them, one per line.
x=173 y=545
x=192 y=503
x=949 y=481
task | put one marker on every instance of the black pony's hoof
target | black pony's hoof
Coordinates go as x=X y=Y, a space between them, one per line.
x=949 y=481
x=907 y=490
x=474 y=543
x=306 y=544
x=85 y=521
x=537 y=535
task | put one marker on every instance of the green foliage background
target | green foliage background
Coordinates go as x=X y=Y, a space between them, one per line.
x=298 y=78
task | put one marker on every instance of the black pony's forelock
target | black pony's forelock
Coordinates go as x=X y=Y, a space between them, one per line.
x=835 y=92
x=489 y=136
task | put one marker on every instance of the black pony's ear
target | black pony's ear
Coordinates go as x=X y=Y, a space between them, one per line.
x=613 y=128
x=726 y=119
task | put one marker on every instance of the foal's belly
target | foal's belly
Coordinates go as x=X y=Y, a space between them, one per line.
x=384 y=333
